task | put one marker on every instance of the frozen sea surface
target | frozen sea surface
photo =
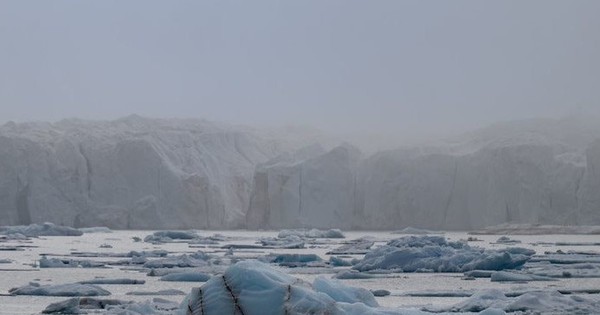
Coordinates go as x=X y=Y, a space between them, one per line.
x=407 y=289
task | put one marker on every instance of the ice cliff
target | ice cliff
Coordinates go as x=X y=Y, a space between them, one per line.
x=533 y=171
x=159 y=173
x=133 y=172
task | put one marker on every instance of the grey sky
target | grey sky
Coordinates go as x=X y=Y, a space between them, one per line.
x=349 y=66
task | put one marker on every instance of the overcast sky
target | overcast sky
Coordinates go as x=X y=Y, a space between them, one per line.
x=422 y=67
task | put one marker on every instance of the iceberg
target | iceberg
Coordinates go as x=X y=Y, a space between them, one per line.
x=355 y=247
x=46 y=262
x=313 y=233
x=254 y=288
x=537 y=302
x=74 y=289
x=45 y=229
x=436 y=254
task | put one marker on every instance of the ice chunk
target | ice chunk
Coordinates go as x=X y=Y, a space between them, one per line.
x=45 y=229
x=500 y=276
x=74 y=289
x=46 y=262
x=181 y=261
x=314 y=233
x=342 y=293
x=435 y=254
x=253 y=288
x=339 y=262
x=77 y=305
x=415 y=231
x=536 y=302
x=113 y=281
x=169 y=236
x=507 y=240
x=380 y=292
x=291 y=260
x=290 y=241
x=480 y=301
x=95 y=229
x=357 y=247
x=186 y=276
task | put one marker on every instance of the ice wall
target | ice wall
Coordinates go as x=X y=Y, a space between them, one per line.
x=158 y=173
x=132 y=173
x=526 y=172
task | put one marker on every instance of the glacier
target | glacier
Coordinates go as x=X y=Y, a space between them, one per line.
x=142 y=173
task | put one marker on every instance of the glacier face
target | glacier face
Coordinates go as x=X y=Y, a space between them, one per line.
x=158 y=173
x=527 y=172
x=132 y=172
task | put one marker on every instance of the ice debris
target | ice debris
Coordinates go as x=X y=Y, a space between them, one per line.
x=113 y=281
x=71 y=289
x=95 y=229
x=356 y=247
x=45 y=229
x=253 y=288
x=46 y=262
x=169 y=236
x=313 y=233
x=436 y=254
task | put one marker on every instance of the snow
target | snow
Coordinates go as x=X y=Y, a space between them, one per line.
x=74 y=289
x=436 y=254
